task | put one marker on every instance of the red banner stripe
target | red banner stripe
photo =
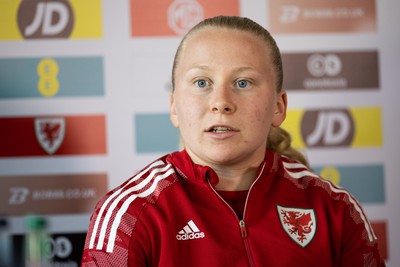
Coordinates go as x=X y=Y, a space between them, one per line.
x=84 y=135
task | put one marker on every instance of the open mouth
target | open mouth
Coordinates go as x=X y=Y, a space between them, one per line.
x=220 y=129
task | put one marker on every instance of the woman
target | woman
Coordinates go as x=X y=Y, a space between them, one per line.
x=238 y=194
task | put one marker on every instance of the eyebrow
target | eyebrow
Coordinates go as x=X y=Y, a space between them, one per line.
x=199 y=67
x=205 y=67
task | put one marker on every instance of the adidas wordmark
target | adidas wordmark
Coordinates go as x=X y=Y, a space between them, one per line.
x=190 y=231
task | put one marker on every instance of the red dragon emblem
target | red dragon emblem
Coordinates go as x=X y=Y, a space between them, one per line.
x=50 y=133
x=299 y=224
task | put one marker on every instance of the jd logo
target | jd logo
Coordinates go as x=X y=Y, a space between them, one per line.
x=184 y=14
x=45 y=19
x=327 y=128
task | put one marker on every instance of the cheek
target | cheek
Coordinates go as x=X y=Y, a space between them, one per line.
x=263 y=115
x=263 y=111
x=188 y=112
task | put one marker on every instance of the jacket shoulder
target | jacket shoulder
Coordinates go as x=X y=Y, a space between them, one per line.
x=306 y=179
x=116 y=213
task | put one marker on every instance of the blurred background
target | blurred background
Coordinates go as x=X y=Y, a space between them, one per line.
x=84 y=104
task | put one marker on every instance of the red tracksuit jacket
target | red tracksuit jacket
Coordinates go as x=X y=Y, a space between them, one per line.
x=170 y=215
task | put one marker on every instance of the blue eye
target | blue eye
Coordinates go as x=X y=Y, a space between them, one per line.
x=242 y=83
x=201 y=83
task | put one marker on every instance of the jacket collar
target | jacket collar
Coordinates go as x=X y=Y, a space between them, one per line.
x=202 y=174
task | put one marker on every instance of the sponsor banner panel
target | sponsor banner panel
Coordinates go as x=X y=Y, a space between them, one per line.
x=51 y=77
x=315 y=16
x=331 y=70
x=365 y=182
x=155 y=133
x=380 y=229
x=52 y=135
x=62 y=249
x=51 y=19
x=51 y=194
x=333 y=128
x=175 y=17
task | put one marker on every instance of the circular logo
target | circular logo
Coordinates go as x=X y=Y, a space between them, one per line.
x=319 y=65
x=331 y=174
x=327 y=128
x=60 y=247
x=45 y=19
x=183 y=15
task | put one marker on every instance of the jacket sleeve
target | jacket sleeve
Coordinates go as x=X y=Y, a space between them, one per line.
x=102 y=249
x=359 y=243
x=92 y=257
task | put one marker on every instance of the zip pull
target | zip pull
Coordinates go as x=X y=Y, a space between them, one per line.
x=243 y=230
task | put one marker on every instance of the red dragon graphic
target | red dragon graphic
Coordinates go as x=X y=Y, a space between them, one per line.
x=300 y=223
x=51 y=131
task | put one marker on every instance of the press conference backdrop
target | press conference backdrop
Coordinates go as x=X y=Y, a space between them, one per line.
x=84 y=101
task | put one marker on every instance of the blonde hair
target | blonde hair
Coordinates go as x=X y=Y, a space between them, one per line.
x=279 y=140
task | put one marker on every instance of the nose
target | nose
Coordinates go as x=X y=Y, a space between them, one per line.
x=222 y=101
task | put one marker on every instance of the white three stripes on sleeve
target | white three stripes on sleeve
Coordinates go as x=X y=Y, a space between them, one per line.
x=336 y=189
x=116 y=197
x=122 y=210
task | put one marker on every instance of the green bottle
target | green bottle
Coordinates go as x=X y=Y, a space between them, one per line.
x=37 y=242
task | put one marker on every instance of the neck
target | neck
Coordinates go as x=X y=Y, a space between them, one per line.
x=235 y=179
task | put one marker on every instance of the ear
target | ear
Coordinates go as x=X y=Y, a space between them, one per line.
x=173 y=115
x=280 y=109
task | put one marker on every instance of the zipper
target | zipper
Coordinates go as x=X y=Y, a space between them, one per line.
x=245 y=242
x=242 y=223
x=248 y=194
x=243 y=230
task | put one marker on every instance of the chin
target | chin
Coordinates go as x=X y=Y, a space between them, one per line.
x=222 y=158
x=213 y=155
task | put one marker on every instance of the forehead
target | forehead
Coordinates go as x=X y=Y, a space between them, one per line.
x=224 y=36
x=212 y=43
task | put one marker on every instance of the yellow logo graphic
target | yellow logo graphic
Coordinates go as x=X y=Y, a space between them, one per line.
x=47 y=70
x=331 y=174
x=39 y=19
x=353 y=127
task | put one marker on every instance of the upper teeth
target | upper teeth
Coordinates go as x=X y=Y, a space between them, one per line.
x=221 y=129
